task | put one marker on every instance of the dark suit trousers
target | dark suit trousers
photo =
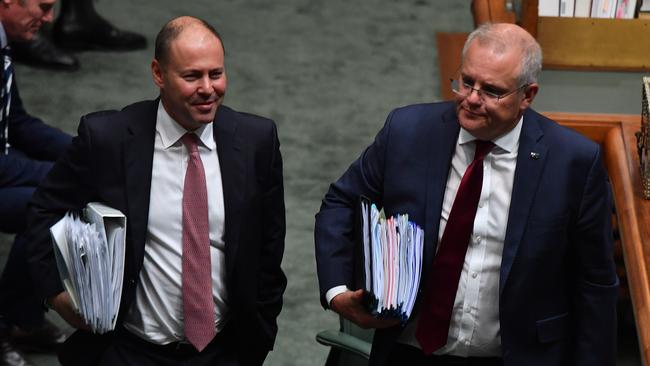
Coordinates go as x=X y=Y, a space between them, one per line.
x=127 y=349
x=403 y=354
x=19 y=177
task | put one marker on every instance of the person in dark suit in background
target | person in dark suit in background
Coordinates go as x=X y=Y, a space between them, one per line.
x=201 y=187
x=27 y=149
x=79 y=27
x=518 y=266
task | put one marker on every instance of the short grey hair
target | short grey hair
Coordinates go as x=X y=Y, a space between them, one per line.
x=501 y=41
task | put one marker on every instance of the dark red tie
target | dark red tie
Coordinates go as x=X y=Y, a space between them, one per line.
x=442 y=282
x=198 y=306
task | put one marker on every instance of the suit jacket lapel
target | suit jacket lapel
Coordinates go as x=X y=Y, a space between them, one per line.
x=138 y=160
x=531 y=159
x=233 y=178
x=441 y=150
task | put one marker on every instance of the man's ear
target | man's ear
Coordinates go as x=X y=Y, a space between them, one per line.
x=156 y=72
x=529 y=95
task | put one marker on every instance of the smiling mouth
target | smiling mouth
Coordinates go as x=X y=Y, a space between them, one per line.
x=205 y=106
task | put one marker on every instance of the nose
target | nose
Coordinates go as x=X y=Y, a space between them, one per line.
x=474 y=96
x=205 y=87
x=48 y=16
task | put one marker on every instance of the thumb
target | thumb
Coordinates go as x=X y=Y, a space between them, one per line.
x=357 y=295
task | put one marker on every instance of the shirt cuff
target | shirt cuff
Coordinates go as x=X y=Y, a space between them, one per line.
x=335 y=291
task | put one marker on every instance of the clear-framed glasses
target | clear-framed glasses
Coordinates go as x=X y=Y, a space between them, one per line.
x=465 y=89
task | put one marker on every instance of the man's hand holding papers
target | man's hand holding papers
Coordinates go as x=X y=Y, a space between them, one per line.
x=62 y=304
x=350 y=305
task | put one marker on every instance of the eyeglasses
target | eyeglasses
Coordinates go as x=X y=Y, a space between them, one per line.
x=465 y=90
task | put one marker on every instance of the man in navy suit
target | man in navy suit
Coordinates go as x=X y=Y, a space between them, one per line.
x=537 y=283
x=135 y=160
x=27 y=149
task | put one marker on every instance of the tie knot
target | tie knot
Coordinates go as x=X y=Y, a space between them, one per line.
x=482 y=149
x=191 y=141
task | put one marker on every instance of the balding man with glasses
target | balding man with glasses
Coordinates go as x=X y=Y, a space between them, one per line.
x=518 y=266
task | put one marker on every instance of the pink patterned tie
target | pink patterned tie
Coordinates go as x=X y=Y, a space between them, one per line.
x=198 y=306
x=442 y=282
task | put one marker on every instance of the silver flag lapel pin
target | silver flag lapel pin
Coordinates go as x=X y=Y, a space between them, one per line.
x=534 y=155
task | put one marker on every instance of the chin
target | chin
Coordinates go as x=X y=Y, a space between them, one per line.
x=471 y=124
x=203 y=119
x=31 y=33
x=204 y=116
x=477 y=128
x=23 y=37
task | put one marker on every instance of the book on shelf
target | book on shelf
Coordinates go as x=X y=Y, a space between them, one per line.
x=603 y=8
x=582 y=8
x=645 y=6
x=549 y=8
x=625 y=9
x=567 y=8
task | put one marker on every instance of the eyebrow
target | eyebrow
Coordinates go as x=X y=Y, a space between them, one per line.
x=489 y=86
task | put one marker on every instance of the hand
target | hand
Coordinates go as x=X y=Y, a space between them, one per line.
x=62 y=304
x=349 y=305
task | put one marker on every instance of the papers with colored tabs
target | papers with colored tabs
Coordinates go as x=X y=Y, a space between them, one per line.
x=89 y=253
x=392 y=262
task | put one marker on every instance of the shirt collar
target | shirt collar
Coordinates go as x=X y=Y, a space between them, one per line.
x=507 y=142
x=171 y=132
x=3 y=37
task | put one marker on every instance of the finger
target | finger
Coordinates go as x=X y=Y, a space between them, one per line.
x=79 y=323
x=357 y=295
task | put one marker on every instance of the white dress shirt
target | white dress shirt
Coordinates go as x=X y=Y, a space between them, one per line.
x=475 y=329
x=157 y=312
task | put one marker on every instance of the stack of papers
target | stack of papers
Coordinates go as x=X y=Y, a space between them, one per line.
x=392 y=262
x=90 y=258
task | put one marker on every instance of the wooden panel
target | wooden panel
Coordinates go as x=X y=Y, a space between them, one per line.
x=529 y=10
x=587 y=43
x=450 y=47
x=493 y=11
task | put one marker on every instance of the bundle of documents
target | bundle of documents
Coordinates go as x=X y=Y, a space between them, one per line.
x=392 y=262
x=90 y=258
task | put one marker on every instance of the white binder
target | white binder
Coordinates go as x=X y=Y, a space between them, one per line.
x=90 y=258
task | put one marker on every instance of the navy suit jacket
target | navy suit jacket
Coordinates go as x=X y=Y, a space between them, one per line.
x=32 y=137
x=557 y=283
x=111 y=160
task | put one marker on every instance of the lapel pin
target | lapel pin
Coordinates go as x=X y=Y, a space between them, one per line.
x=534 y=155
